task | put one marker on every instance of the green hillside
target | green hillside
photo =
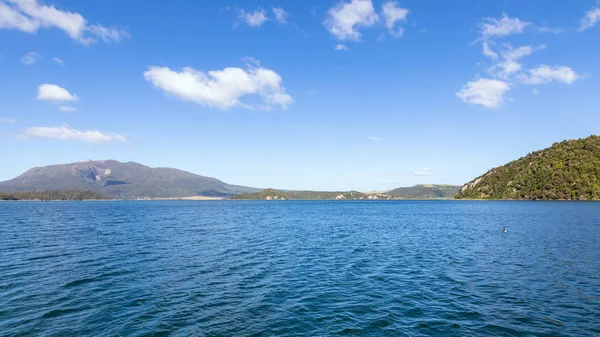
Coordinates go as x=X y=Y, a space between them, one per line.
x=569 y=170
x=426 y=191
x=272 y=194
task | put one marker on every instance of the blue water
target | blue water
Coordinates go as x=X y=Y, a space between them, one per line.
x=237 y=268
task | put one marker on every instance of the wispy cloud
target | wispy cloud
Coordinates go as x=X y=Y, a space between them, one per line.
x=505 y=26
x=375 y=138
x=59 y=61
x=281 y=15
x=66 y=108
x=5 y=120
x=341 y=47
x=393 y=13
x=30 y=58
x=590 y=19
x=221 y=89
x=30 y=16
x=422 y=172
x=550 y=30
x=69 y=134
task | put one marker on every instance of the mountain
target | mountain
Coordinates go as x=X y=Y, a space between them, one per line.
x=272 y=194
x=569 y=170
x=53 y=195
x=426 y=191
x=121 y=180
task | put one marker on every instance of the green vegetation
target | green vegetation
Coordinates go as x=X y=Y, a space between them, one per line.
x=268 y=194
x=272 y=194
x=53 y=195
x=426 y=191
x=569 y=170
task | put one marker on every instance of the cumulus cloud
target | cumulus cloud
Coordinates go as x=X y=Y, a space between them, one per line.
x=422 y=172
x=59 y=61
x=375 y=139
x=221 y=89
x=346 y=18
x=29 y=16
x=5 y=120
x=591 y=18
x=30 y=58
x=507 y=72
x=67 y=108
x=68 y=133
x=52 y=92
x=505 y=26
x=341 y=47
x=486 y=92
x=280 y=15
x=252 y=19
x=393 y=13
x=546 y=74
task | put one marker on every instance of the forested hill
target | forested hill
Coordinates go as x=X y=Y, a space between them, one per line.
x=569 y=170
x=426 y=191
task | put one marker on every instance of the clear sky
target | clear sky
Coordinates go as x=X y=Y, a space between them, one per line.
x=323 y=95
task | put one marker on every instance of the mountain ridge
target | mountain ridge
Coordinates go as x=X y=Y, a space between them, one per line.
x=123 y=180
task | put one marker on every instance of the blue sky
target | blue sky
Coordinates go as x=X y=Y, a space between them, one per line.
x=324 y=95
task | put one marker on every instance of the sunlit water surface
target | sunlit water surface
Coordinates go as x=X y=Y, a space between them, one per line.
x=237 y=268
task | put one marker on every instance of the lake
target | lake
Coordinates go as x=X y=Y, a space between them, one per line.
x=299 y=268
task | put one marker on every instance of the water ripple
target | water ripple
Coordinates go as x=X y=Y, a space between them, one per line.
x=299 y=268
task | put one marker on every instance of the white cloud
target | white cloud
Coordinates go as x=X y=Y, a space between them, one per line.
x=5 y=120
x=280 y=15
x=515 y=54
x=252 y=19
x=591 y=18
x=68 y=133
x=546 y=74
x=422 y=172
x=346 y=18
x=487 y=50
x=486 y=92
x=30 y=58
x=52 y=92
x=502 y=27
x=221 y=89
x=510 y=56
x=29 y=16
x=59 y=61
x=550 y=30
x=507 y=72
x=375 y=139
x=394 y=13
x=341 y=47
x=108 y=35
x=535 y=91
x=67 y=108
